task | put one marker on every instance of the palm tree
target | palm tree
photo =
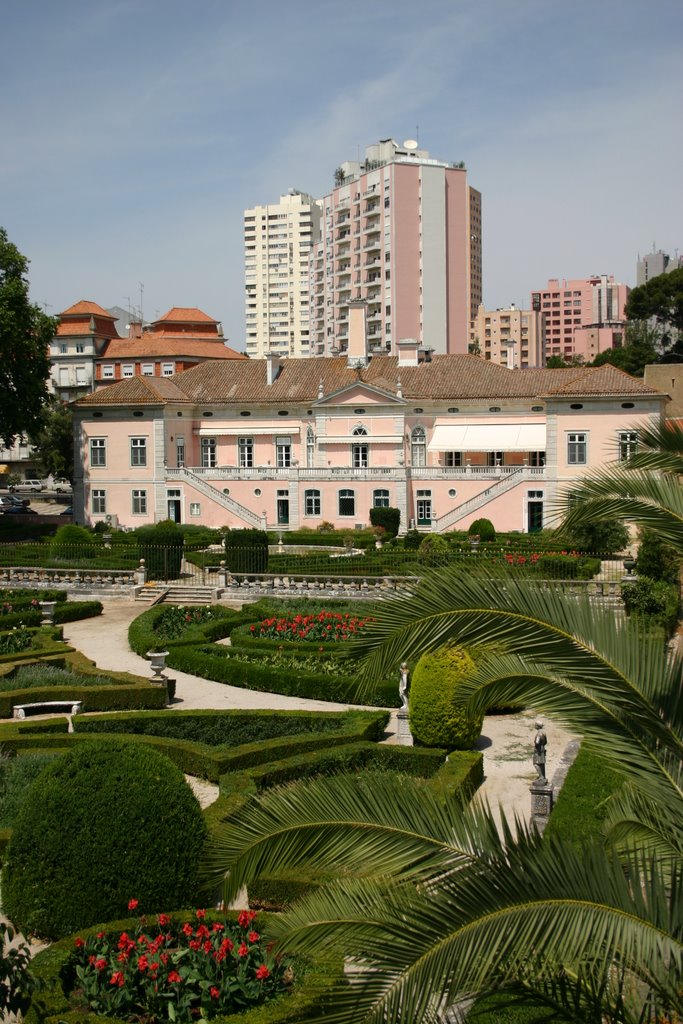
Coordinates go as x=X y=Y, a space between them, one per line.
x=432 y=905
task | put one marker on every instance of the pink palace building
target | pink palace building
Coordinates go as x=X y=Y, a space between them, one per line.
x=297 y=442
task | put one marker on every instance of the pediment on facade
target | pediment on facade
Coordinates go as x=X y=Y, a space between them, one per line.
x=359 y=394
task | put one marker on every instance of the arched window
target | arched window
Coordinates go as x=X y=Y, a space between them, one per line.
x=312 y=504
x=418 y=447
x=347 y=503
x=359 y=452
x=310 y=448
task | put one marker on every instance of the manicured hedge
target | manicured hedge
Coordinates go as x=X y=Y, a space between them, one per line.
x=65 y=611
x=246 y=550
x=583 y=801
x=46 y=641
x=93 y=698
x=142 y=636
x=309 y=996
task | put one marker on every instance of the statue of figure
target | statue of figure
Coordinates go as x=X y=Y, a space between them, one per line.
x=540 y=743
x=403 y=686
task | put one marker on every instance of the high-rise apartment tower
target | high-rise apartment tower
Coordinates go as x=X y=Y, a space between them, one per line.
x=277 y=242
x=402 y=233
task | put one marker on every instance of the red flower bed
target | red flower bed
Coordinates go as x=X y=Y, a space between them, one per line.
x=171 y=972
x=326 y=626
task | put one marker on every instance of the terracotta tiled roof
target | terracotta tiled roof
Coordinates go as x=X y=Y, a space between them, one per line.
x=150 y=347
x=84 y=308
x=450 y=377
x=137 y=391
x=186 y=315
x=76 y=329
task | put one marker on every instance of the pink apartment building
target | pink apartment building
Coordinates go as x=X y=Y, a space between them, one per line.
x=582 y=317
x=509 y=336
x=401 y=232
x=289 y=443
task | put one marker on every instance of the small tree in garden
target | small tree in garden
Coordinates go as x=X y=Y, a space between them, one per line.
x=161 y=546
x=16 y=981
x=389 y=518
x=106 y=819
x=246 y=550
x=484 y=529
x=436 y=720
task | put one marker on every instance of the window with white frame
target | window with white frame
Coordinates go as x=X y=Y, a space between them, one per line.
x=453 y=459
x=195 y=508
x=139 y=503
x=359 y=451
x=245 y=452
x=380 y=498
x=99 y=502
x=312 y=503
x=347 y=503
x=577 y=449
x=207 y=452
x=148 y=369
x=138 y=451
x=108 y=372
x=628 y=441
x=418 y=447
x=283 y=452
x=310 y=448
x=128 y=370
x=167 y=369
x=98 y=451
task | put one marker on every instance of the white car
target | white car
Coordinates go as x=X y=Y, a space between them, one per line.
x=62 y=486
x=27 y=485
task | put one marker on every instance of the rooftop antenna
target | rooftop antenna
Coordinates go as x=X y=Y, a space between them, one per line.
x=142 y=288
x=45 y=305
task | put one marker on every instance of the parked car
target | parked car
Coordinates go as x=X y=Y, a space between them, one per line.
x=67 y=511
x=27 y=485
x=20 y=510
x=62 y=486
x=10 y=501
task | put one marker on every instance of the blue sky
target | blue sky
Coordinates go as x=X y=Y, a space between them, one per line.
x=133 y=133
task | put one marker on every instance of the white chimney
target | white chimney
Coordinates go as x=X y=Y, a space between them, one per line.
x=407 y=352
x=272 y=367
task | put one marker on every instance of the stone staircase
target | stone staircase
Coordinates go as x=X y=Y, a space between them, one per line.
x=175 y=593
x=219 y=497
x=454 y=515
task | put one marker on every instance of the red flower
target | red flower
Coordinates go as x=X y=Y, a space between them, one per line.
x=214 y=992
x=227 y=945
x=164 y=958
x=243 y=950
x=203 y=932
x=253 y=936
x=245 y=918
x=79 y=943
x=262 y=972
x=100 y=935
x=187 y=929
x=154 y=967
x=132 y=904
x=100 y=964
x=195 y=944
x=143 y=963
x=201 y=914
x=117 y=978
x=163 y=919
x=218 y=927
x=174 y=977
x=124 y=940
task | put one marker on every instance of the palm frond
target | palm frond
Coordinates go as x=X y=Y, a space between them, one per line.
x=372 y=824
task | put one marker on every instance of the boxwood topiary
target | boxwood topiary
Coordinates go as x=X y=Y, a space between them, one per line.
x=106 y=821
x=484 y=529
x=435 y=719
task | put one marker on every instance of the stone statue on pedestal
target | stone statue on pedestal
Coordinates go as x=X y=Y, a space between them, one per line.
x=403 y=686
x=540 y=743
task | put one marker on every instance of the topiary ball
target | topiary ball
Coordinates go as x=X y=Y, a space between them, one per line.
x=435 y=719
x=484 y=529
x=106 y=822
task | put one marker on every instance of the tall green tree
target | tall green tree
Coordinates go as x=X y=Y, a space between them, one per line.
x=641 y=347
x=661 y=300
x=25 y=335
x=53 y=441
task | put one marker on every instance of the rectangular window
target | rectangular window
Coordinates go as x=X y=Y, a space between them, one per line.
x=138 y=451
x=195 y=508
x=359 y=453
x=99 y=503
x=537 y=458
x=347 y=503
x=380 y=498
x=207 y=448
x=577 y=447
x=312 y=504
x=148 y=369
x=167 y=369
x=628 y=441
x=128 y=370
x=283 y=452
x=139 y=503
x=80 y=347
x=80 y=375
x=494 y=458
x=245 y=452
x=98 y=451
x=108 y=372
x=453 y=459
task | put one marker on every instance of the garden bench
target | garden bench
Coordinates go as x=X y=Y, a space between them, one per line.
x=47 y=707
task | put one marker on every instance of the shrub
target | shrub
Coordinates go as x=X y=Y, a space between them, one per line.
x=16 y=775
x=484 y=529
x=652 y=602
x=16 y=981
x=657 y=560
x=389 y=518
x=161 y=546
x=71 y=611
x=583 y=800
x=105 y=820
x=434 y=550
x=70 y=541
x=246 y=550
x=604 y=537
x=412 y=540
x=435 y=719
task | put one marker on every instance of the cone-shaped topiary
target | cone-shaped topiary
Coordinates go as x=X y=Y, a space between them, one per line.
x=484 y=529
x=435 y=719
x=106 y=822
